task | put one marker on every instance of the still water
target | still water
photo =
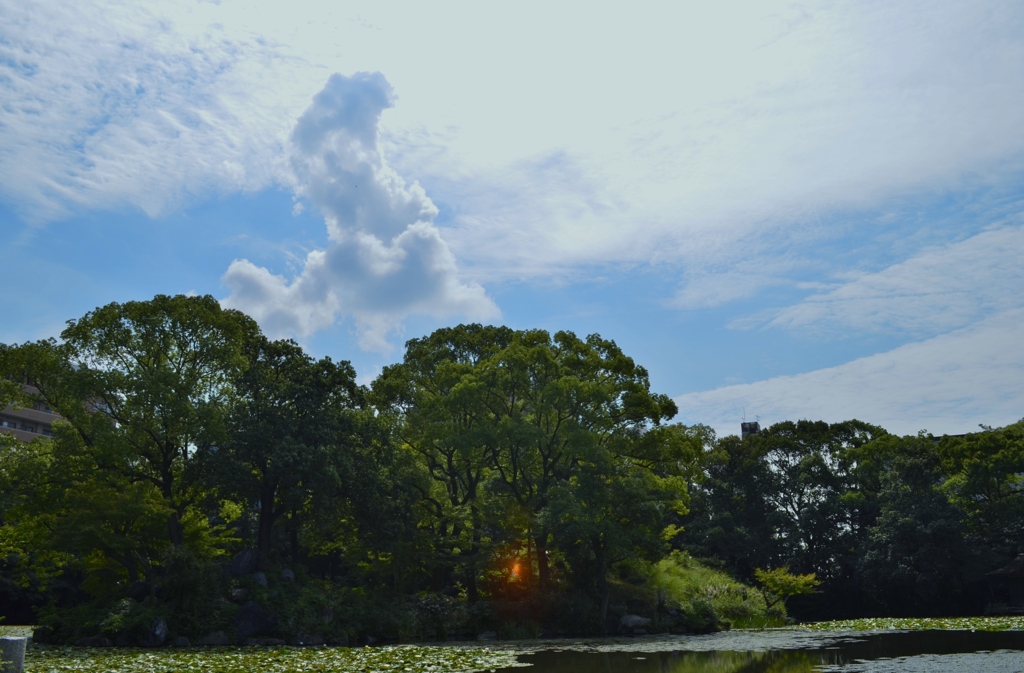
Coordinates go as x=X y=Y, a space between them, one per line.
x=789 y=652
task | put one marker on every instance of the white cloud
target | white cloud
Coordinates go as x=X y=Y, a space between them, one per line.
x=385 y=260
x=668 y=133
x=713 y=138
x=946 y=384
x=935 y=291
x=108 y=105
x=338 y=165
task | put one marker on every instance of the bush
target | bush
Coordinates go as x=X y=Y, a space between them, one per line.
x=192 y=594
x=519 y=631
x=62 y=625
x=576 y=613
x=705 y=599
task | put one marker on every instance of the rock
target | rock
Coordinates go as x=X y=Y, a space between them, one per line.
x=630 y=622
x=252 y=620
x=181 y=641
x=12 y=654
x=261 y=578
x=156 y=635
x=266 y=642
x=487 y=635
x=244 y=562
x=308 y=639
x=139 y=591
x=239 y=595
x=214 y=638
x=287 y=575
x=94 y=641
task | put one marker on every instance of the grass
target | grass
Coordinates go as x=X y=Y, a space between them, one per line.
x=691 y=585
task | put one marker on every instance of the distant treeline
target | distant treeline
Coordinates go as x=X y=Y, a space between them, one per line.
x=902 y=526
x=209 y=479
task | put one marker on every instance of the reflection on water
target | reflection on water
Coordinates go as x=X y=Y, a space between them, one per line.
x=671 y=662
x=931 y=650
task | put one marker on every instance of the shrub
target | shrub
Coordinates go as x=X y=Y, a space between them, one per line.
x=705 y=599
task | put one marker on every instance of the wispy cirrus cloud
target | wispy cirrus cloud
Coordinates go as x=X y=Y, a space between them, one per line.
x=720 y=170
x=109 y=105
x=707 y=128
x=939 y=289
x=716 y=142
x=946 y=384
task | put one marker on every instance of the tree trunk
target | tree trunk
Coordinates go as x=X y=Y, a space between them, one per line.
x=602 y=580
x=175 y=530
x=528 y=575
x=293 y=538
x=265 y=529
x=543 y=573
x=604 y=604
x=472 y=594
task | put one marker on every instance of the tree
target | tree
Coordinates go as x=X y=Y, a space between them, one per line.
x=288 y=414
x=564 y=402
x=810 y=473
x=142 y=389
x=779 y=584
x=438 y=397
x=782 y=497
x=984 y=478
x=524 y=413
x=731 y=517
x=915 y=557
x=27 y=559
x=159 y=373
x=619 y=505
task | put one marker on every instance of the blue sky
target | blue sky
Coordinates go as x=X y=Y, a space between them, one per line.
x=781 y=210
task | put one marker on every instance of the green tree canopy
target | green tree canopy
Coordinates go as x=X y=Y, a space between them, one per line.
x=288 y=415
x=531 y=419
x=161 y=371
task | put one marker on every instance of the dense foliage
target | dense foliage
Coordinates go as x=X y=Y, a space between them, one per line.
x=902 y=526
x=207 y=482
x=205 y=479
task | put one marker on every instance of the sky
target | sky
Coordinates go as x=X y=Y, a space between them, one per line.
x=781 y=210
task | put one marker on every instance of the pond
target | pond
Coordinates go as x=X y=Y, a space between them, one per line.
x=791 y=651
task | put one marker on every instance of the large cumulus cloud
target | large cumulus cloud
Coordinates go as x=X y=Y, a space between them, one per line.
x=386 y=259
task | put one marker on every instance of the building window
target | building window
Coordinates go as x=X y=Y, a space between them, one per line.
x=4 y=423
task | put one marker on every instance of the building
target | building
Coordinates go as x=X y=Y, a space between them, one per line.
x=748 y=428
x=29 y=421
